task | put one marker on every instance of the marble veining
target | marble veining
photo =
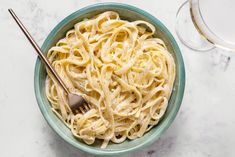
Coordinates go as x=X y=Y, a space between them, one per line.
x=204 y=126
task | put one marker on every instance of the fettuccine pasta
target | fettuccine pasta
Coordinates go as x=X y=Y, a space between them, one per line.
x=122 y=71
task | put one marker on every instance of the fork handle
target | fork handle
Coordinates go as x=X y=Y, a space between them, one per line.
x=38 y=50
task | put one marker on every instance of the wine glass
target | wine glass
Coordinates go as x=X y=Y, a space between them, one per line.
x=203 y=25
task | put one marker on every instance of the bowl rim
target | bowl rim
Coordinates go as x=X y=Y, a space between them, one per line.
x=168 y=120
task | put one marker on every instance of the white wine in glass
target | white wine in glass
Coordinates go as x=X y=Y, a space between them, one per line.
x=205 y=24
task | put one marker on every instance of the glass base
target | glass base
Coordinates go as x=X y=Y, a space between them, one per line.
x=187 y=33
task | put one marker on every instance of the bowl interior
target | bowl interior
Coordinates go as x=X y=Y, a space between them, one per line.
x=129 y=13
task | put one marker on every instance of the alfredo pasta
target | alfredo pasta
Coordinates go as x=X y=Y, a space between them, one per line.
x=123 y=72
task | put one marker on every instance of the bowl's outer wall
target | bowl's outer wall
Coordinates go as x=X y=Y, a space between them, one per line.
x=129 y=13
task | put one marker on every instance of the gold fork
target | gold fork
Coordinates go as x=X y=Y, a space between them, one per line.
x=76 y=102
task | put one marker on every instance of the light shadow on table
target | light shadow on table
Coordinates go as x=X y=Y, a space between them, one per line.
x=62 y=149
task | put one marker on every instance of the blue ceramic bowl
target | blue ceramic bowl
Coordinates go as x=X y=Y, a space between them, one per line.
x=129 y=13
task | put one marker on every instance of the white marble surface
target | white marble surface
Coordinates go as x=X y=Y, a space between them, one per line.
x=205 y=125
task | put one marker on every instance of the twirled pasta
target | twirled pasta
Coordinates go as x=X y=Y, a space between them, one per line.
x=124 y=72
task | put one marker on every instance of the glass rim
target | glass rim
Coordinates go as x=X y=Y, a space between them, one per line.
x=204 y=30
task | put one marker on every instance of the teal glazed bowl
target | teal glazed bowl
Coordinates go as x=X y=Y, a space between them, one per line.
x=129 y=13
